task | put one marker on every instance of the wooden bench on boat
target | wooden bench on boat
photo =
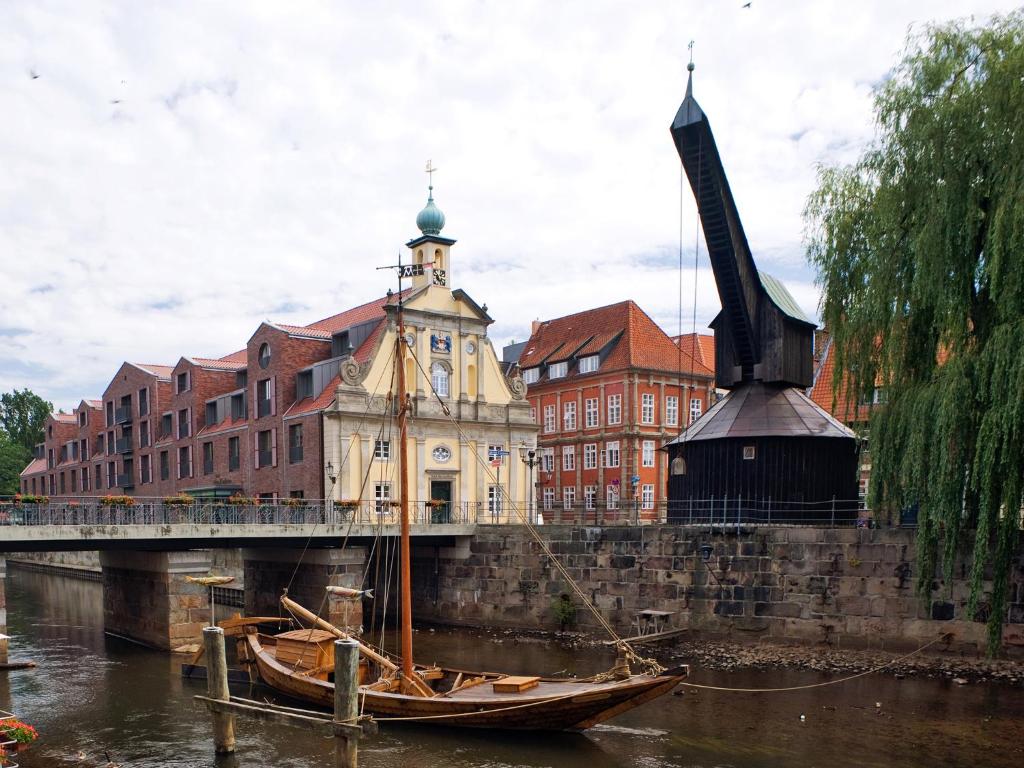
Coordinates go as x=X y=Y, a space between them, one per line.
x=308 y=650
x=513 y=684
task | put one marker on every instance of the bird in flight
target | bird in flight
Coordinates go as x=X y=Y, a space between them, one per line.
x=33 y=74
x=746 y=5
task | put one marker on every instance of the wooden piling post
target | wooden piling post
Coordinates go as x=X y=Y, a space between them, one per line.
x=217 y=688
x=346 y=699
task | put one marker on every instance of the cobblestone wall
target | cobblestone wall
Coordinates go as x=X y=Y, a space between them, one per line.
x=841 y=586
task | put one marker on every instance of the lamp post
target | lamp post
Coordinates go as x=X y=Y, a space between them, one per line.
x=529 y=457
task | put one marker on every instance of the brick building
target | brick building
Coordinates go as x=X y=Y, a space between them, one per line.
x=253 y=422
x=608 y=388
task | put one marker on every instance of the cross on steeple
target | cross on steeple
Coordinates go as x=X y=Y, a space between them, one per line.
x=430 y=172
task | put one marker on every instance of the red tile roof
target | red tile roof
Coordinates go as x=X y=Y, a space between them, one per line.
x=94 y=403
x=67 y=418
x=701 y=346
x=354 y=316
x=160 y=371
x=219 y=364
x=236 y=357
x=636 y=341
x=36 y=465
x=313 y=404
x=224 y=426
x=837 y=402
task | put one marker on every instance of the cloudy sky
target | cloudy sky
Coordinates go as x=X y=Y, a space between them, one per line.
x=172 y=174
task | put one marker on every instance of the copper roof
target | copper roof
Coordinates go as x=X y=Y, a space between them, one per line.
x=755 y=409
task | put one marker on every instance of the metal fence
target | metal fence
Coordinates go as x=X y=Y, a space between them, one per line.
x=719 y=513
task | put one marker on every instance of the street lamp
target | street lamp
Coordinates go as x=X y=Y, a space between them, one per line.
x=529 y=457
x=332 y=475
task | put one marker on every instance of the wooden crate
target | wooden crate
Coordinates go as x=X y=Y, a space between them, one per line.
x=305 y=649
x=514 y=684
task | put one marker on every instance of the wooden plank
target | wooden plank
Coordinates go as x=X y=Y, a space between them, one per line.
x=653 y=637
x=513 y=684
x=281 y=716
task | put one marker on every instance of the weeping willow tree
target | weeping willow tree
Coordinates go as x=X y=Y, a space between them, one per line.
x=919 y=248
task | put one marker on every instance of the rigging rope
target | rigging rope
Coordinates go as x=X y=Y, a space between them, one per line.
x=647 y=664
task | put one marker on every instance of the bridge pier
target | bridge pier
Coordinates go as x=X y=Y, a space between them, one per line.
x=269 y=571
x=147 y=598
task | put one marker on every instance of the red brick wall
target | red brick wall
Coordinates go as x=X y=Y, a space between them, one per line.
x=630 y=432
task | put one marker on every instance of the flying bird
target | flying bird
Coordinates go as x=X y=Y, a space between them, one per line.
x=746 y=5
x=115 y=101
x=33 y=74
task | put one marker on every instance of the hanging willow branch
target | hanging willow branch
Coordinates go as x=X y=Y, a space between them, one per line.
x=919 y=248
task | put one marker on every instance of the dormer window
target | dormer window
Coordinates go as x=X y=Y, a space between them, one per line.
x=588 y=364
x=531 y=375
x=558 y=370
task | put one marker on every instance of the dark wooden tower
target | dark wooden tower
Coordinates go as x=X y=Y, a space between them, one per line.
x=765 y=446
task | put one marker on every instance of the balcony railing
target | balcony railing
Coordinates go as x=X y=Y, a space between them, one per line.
x=207 y=466
x=264 y=458
x=262 y=408
x=294 y=453
x=123 y=415
x=125 y=480
x=233 y=463
x=123 y=445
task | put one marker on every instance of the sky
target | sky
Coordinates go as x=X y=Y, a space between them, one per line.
x=173 y=174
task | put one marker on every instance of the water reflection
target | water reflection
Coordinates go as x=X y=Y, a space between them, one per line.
x=93 y=694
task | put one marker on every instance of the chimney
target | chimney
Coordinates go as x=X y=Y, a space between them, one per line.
x=535 y=326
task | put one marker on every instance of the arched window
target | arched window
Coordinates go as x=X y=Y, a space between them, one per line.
x=438 y=259
x=439 y=379
x=678 y=466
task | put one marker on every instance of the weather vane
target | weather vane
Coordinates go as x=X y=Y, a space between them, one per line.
x=689 y=66
x=430 y=171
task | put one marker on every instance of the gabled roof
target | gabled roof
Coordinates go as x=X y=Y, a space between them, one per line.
x=36 y=465
x=839 y=402
x=96 y=404
x=700 y=346
x=160 y=371
x=65 y=418
x=219 y=364
x=632 y=339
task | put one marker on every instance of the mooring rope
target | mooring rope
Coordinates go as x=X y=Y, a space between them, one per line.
x=824 y=684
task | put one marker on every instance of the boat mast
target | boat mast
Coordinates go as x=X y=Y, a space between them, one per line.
x=403 y=492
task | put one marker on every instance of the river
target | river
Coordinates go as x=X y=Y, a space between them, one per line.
x=94 y=695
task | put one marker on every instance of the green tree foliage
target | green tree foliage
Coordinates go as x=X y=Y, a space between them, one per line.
x=22 y=418
x=919 y=248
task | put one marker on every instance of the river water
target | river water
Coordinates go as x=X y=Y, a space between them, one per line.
x=94 y=695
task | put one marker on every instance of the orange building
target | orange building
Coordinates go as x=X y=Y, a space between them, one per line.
x=608 y=388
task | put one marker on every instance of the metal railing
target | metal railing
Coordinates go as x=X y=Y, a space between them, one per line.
x=716 y=513
x=123 y=414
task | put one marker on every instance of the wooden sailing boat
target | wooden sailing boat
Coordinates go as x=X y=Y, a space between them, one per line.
x=299 y=663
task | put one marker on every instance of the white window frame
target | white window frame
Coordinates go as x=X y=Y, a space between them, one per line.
x=494 y=500
x=671 y=410
x=569 y=416
x=440 y=379
x=568 y=496
x=647 y=496
x=531 y=375
x=590 y=456
x=589 y=496
x=558 y=370
x=614 y=409
x=647 y=408
x=547 y=499
x=647 y=453
x=382 y=450
x=550 y=419
x=611 y=499
x=591 y=413
x=382 y=497
x=589 y=364
x=533 y=414
x=568 y=458
x=696 y=408
x=547 y=459
x=612 y=455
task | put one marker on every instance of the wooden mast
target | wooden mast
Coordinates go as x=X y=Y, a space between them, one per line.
x=405 y=574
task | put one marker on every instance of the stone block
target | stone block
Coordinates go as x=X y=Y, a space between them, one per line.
x=783 y=610
x=854 y=606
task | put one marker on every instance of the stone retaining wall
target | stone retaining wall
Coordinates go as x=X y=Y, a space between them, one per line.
x=841 y=586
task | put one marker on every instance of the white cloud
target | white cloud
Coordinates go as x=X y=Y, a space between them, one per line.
x=262 y=159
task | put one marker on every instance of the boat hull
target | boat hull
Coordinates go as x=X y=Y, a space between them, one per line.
x=553 y=705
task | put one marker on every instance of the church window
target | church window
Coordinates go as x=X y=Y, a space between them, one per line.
x=439 y=379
